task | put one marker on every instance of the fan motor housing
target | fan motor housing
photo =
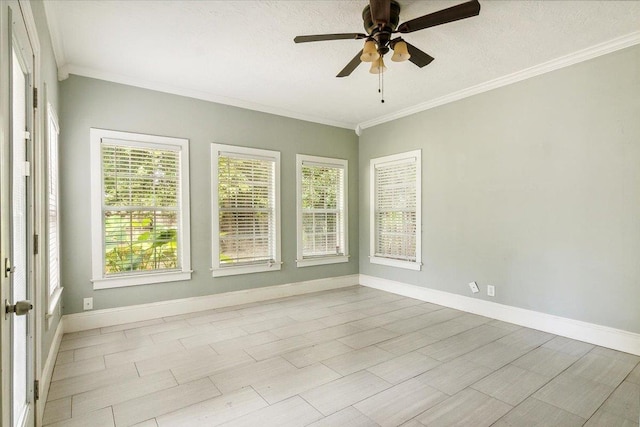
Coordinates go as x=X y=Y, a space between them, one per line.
x=394 y=18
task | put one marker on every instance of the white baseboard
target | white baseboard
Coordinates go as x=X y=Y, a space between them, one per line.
x=605 y=336
x=47 y=372
x=135 y=313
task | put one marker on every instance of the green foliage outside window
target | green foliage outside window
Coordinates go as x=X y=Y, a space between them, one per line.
x=320 y=187
x=140 y=209
x=321 y=210
x=246 y=211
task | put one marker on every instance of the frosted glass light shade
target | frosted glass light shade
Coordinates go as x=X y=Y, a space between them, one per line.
x=378 y=67
x=400 y=52
x=369 y=52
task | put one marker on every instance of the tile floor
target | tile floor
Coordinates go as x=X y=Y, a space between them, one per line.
x=348 y=357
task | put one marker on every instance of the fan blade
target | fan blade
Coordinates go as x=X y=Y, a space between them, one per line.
x=454 y=13
x=380 y=11
x=351 y=66
x=418 y=57
x=324 y=37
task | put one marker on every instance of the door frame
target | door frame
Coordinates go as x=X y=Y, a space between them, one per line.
x=36 y=282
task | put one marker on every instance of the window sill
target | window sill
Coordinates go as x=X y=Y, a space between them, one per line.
x=308 y=262
x=142 y=279
x=245 y=269
x=54 y=300
x=409 y=265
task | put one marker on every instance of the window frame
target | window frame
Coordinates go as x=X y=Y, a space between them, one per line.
x=416 y=156
x=247 y=152
x=301 y=261
x=52 y=156
x=181 y=145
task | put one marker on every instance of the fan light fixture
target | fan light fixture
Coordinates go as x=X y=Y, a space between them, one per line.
x=377 y=67
x=400 y=52
x=369 y=52
x=381 y=20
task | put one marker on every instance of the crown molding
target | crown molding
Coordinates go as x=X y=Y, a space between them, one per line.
x=56 y=39
x=555 y=64
x=191 y=93
x=64 y=69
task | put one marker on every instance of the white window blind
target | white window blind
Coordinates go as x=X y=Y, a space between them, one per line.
x=396 y=213
x=246 y=232
x=53 y=218
x=140 y=209
x=322 y=233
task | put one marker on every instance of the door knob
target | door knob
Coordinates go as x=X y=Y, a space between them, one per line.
x=20 y=308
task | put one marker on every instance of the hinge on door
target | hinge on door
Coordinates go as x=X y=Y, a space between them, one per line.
x=36 y=390
x=27 y=135
x=36 y=239
x=35 y=97
x=27 y=169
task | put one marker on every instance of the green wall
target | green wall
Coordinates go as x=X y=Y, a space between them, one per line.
x=534 y=188
x=88 y=103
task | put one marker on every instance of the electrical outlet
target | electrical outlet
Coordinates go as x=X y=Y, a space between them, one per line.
x=491 y=290
x=87 y=304
x=474 y=287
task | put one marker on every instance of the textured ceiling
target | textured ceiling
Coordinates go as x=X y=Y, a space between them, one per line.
x=242 y=52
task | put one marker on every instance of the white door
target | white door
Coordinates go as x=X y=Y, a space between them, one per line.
x=17 y=262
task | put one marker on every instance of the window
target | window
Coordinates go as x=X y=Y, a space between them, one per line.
x=395 y=210
x=140 y=209
x=54 y=289
x=246 y=210
x=322 y=210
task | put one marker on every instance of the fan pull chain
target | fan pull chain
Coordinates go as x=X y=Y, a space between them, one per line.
x=381 y=85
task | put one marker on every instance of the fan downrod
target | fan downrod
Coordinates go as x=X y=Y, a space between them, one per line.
x=381 y=32
x=394 y=18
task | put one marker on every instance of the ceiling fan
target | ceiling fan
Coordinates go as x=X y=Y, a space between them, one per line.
x=381 y=18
